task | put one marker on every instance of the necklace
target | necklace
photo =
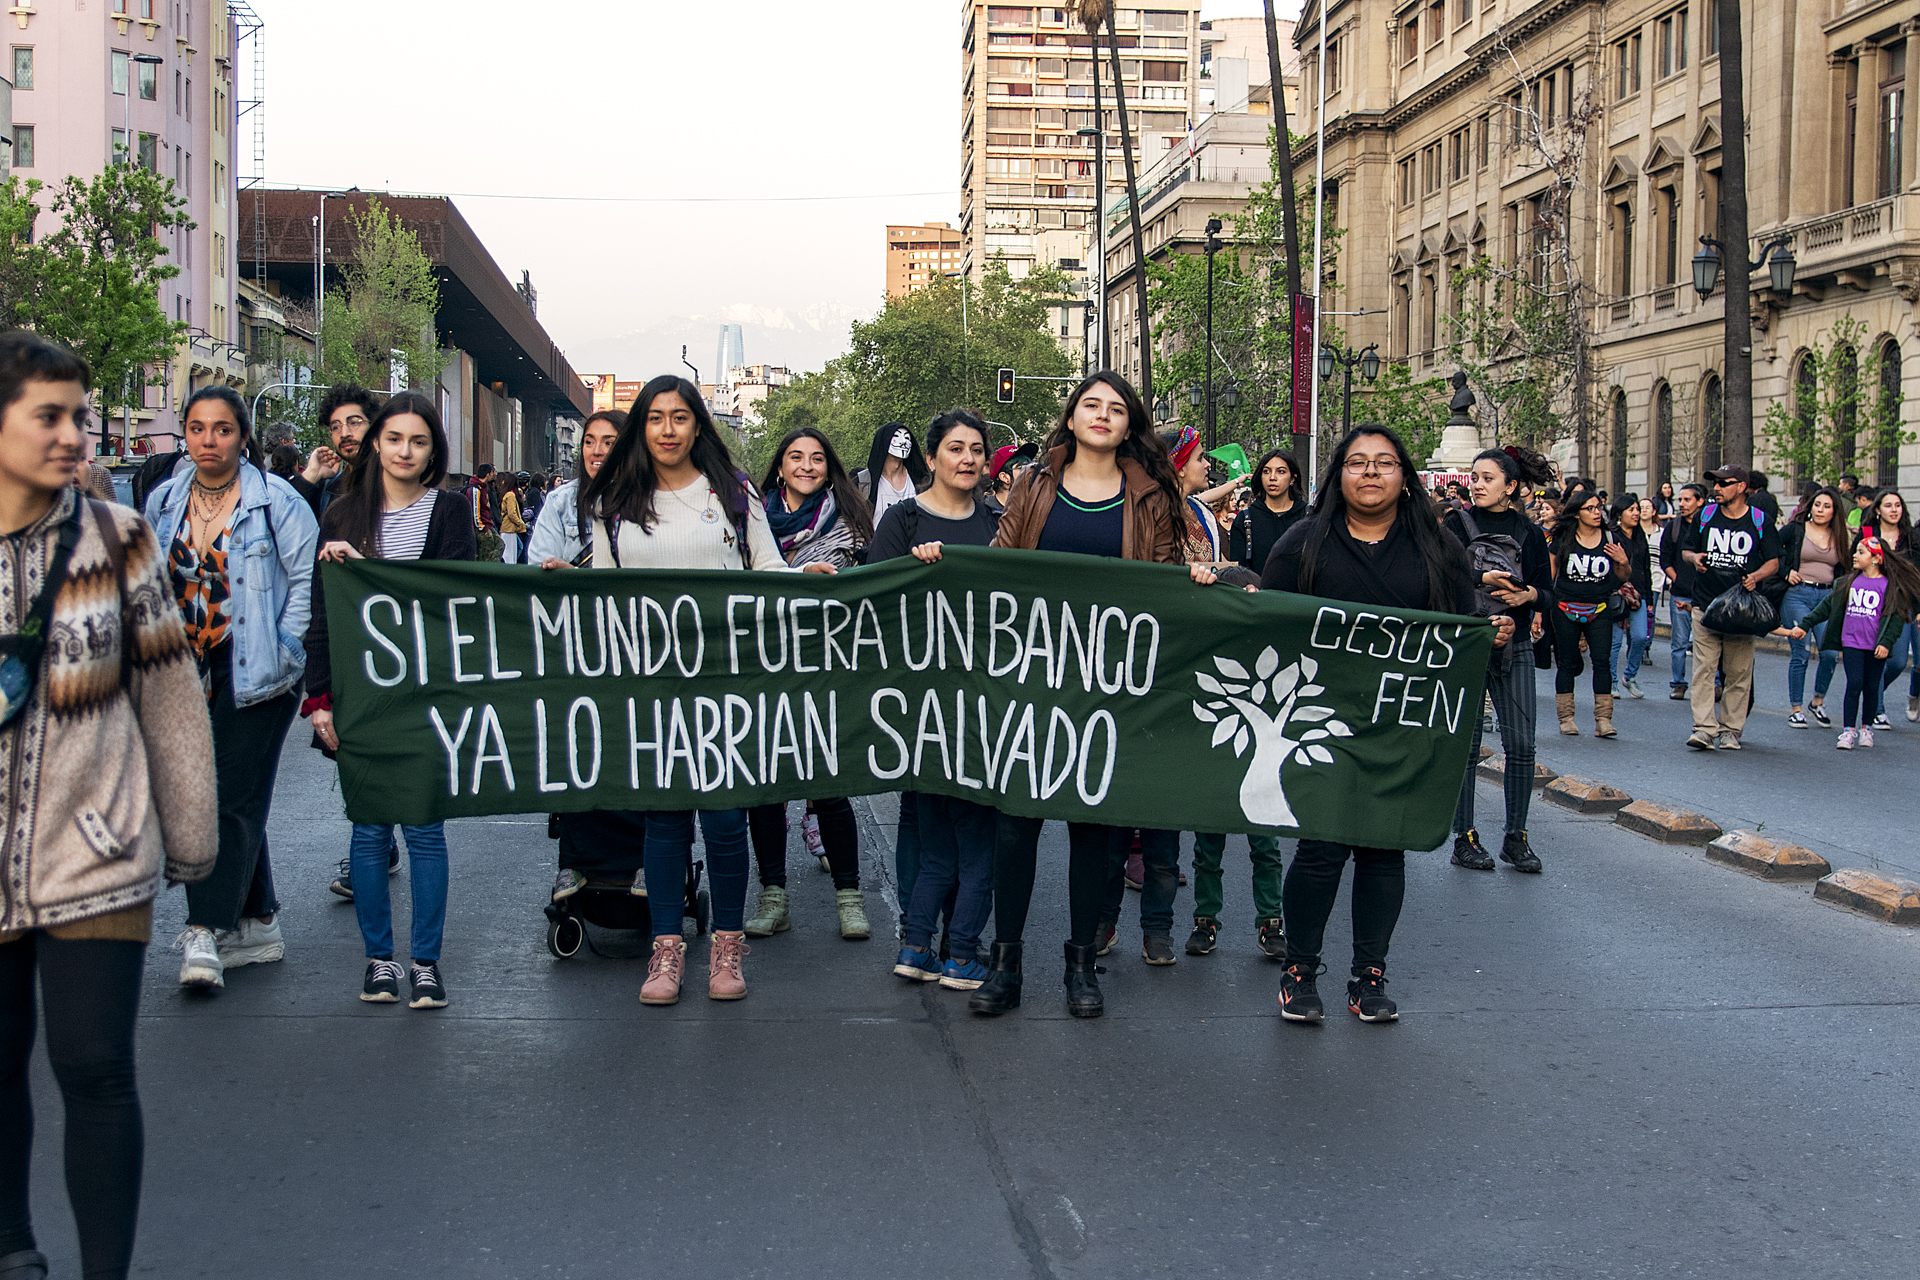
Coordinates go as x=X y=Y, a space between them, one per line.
x=208 y=506
x=704 y=506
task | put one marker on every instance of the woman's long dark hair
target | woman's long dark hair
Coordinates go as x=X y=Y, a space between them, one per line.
x=917 y=469
x=1569 y=523
x=226 y=395
x=1903 y=579
x=1522 y=466
x=1142 y=445
x=846 y=494
x=627 y=482
x=1905 y=526
x=1441 y=552
x=360 y=506
x=1803 y=514
x=1296 y=489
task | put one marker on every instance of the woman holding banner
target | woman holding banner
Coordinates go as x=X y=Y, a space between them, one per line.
x=819 y=516
x=392 y=510
x=1374 y=538
x=1104 y=487
x=669 y=497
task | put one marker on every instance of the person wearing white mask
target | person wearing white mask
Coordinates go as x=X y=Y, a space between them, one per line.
x=895 y=470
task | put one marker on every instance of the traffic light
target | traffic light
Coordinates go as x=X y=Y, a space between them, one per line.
x=1006 y=386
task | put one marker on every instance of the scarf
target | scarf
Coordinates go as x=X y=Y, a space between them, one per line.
x=793 y=529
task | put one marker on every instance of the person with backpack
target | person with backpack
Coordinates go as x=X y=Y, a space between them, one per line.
x=1729 y=544
x=953 y=876
x=1507 y=554
x=1863 y=615
x=1633 y=630
x=240 y=555
x=109 y=796
x=1679 y=577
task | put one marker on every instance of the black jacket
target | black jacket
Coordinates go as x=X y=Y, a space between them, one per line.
x=1257 y=530
x=1670 y=558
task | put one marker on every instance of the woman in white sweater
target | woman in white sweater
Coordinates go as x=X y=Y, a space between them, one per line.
x=669 y=497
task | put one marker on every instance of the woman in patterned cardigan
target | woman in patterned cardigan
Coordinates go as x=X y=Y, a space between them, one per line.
x=107 y=774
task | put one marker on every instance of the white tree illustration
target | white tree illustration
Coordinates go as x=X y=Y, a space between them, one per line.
x=1291 y=727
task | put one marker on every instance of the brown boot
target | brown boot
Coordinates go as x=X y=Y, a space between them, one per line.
x=1563 y=703
x=1603 y=716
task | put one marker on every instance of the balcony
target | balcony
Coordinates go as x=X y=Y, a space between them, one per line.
x=1848 y=247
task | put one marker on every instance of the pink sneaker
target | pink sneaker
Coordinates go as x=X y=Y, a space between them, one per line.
x=1866 y=737
x=664 y=971
x=724 y=979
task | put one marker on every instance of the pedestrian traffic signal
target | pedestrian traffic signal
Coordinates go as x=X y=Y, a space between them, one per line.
x=1006 y=386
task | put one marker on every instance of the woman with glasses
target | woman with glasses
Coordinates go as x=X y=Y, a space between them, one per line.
x=1374 y=538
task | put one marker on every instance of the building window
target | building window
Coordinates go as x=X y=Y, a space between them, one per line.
x=22 y=67
x=1671 y=43
x=1661 y=463
x=1713 y=415
x=1886 y=454
x=149 y=153
x=1710 y=32
x=149 y=81
x=176 y=93
x=219 y=254
x=1893 y=121
x=1483 y=142
x=1623 y=246
x=1463 y=12
x=1333 y=66
x=1406 y=183
x=1622 y=444
x=1806 y=397
x=1626 y=61
x=119 y=144
x=23 y=146
x=1669 y=235
x=118 y=70
x=1410 y=38
x=220 y=182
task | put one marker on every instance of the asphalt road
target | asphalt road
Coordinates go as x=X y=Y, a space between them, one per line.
x=1637 y=1064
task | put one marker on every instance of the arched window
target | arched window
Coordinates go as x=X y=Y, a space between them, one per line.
x=1622 y=443
x=1846 y=400
x=1886 y=435
x=1660 y=461
x=1713 y=424
x=1806 y=408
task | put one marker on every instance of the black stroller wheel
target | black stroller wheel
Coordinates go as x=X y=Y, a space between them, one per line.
x=700 y=913
x=565 y=935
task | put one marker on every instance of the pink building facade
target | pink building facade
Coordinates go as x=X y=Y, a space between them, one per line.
x=97 y=79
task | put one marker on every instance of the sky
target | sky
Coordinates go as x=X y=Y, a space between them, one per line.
x=669 y=165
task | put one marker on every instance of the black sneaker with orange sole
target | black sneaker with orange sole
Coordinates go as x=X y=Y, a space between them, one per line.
x=1300 y=995
x=1367 y=997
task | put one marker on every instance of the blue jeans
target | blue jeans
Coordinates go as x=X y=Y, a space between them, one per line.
x=1636 y=637
x=1798 y=604
x=668 y=849
x=955 y=874
x=906 y=846
x=427 y=872
x=1680 y=636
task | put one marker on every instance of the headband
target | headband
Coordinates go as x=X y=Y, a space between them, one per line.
x=1183 y=447
x=1874 y=546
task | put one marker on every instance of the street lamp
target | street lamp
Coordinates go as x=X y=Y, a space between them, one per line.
x=1196 y=395
x=1780 y=265
x=320 y=276
x=1162 y=411
x=1213 y=246
x=1367 y=358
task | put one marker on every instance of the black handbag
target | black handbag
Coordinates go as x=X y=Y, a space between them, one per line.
x=1740 y=612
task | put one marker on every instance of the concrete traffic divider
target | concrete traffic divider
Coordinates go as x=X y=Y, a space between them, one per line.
x=1869 y=893
x=1584 y=796
x=1753 y=853
x=1669 y=826
x=1494 y=769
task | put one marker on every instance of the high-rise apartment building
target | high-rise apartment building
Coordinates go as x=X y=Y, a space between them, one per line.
x=1027 y=184
x=731 y=351
x=153 y=80
x=919 y=255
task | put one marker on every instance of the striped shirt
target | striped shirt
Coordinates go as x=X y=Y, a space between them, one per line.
x=403 y=533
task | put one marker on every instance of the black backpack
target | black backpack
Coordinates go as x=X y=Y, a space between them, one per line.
x=1490 y=553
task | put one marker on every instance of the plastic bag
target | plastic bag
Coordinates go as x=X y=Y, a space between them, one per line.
x=1740 y=612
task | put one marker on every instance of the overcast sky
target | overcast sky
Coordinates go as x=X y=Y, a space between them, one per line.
x=735 y=101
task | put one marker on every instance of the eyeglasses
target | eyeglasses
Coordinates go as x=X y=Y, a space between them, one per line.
x=355 y=421
x=1379 y=466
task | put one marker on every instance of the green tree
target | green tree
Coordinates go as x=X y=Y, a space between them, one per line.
x=96 y=280
x=19 y=255
x=379 y=326
x=1840 y=410
x=1521 y=346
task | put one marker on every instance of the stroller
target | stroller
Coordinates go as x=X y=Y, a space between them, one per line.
x=604 y=846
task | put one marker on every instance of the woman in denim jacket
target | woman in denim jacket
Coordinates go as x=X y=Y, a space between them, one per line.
x=239 y=544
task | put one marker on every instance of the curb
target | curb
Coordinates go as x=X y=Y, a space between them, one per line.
x=1583 y=796
x=1755 y=855
x=1886 y=898
x=1669 y=826
x=1493 y=768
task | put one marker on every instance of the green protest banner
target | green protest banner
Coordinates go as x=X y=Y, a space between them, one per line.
x=1047 y=685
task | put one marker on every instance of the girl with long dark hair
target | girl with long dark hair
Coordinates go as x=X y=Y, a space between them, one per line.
x=1633 y=630
x=1813 y=550
x=1500 y=480
x=1588 y=568
x=1279 y=504
x=1103 y=487
x=1863 y=613
x=669 y=497
x=555 y=540
x=1374 y=538
x=819 y=516
x=391 y=510
x=240 y=547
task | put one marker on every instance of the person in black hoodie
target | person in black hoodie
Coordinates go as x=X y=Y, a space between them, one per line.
x=1281 y=502
x=1501 y=479
x=1679 y=575
x=1374 y=538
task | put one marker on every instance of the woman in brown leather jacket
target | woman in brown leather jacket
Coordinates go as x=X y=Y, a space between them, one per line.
x=1104 y=487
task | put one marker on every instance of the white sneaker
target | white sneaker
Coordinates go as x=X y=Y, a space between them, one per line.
x=200 y=958
x=1913 y=709
x=254 y=942
x=1848 y=739
x=1866 y=737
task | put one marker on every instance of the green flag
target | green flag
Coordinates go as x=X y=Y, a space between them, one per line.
x=1047 y=685
x=1236 y=459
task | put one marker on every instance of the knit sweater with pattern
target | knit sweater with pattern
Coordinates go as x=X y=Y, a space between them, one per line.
x=108 y=785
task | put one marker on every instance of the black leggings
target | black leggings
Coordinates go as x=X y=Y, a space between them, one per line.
x=1863 y=686
x=1312 y=886
x=92 y=991
x=1091 y=852
x=839 y=833
x=1566 y=651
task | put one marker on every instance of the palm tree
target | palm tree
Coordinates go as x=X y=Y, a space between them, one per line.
x=1092 y=13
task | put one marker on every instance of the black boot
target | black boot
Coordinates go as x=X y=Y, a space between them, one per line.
x=1001 y=991
x=1083 y=988
x=28 y=1264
